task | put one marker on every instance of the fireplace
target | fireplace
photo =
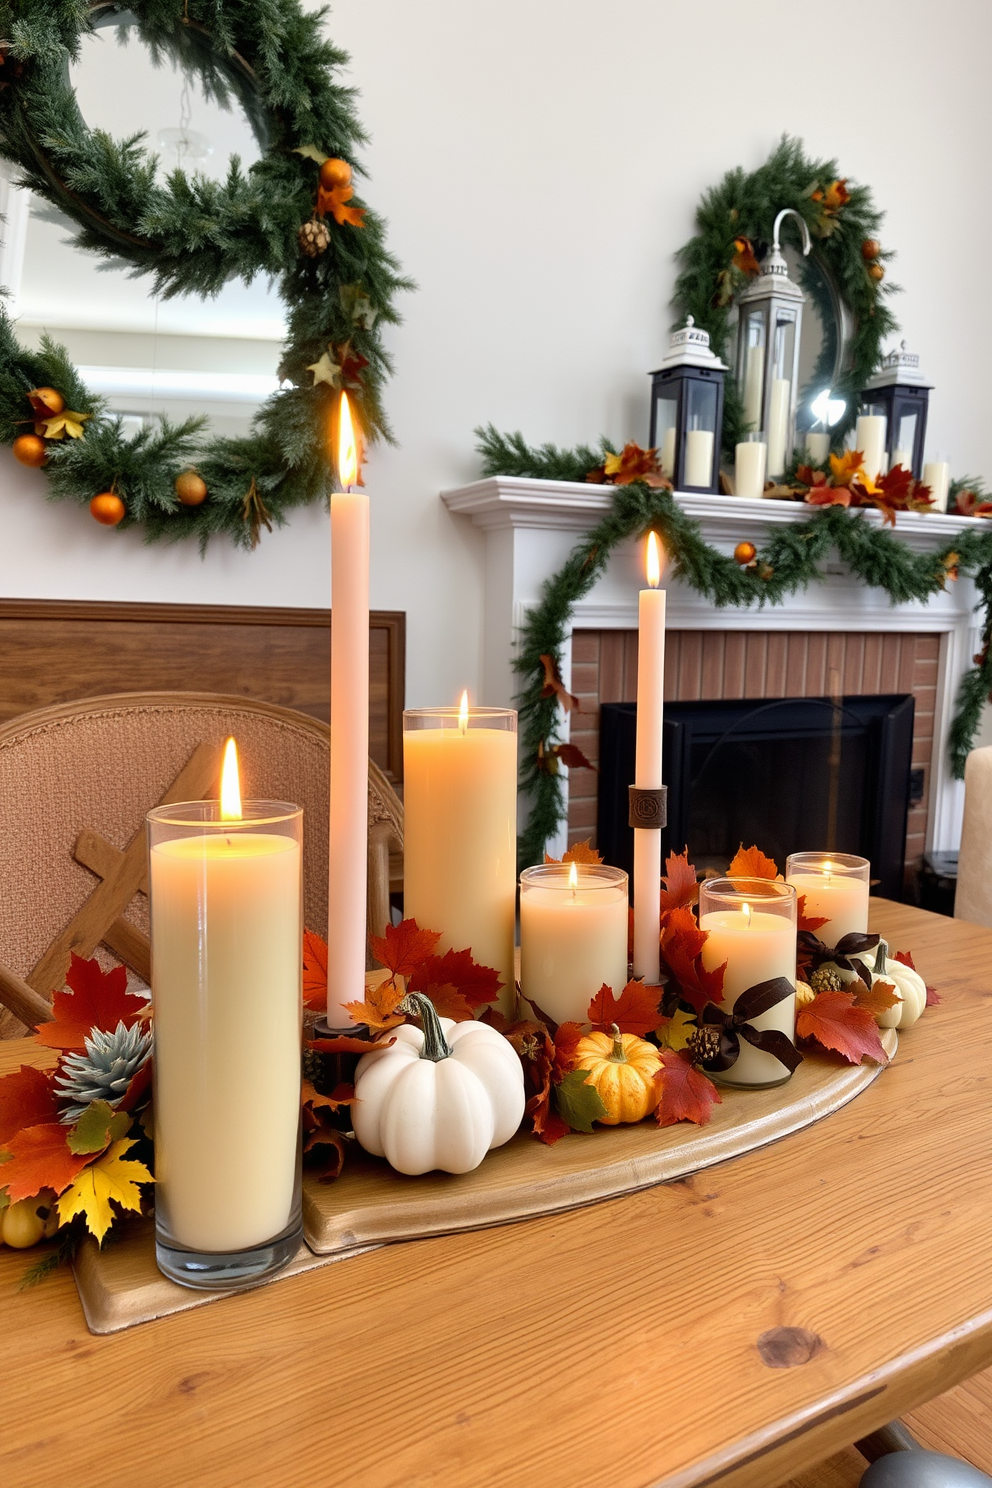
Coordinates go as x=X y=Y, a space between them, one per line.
x=785 y=773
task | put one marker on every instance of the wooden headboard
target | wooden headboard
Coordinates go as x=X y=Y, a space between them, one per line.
x=56 y=650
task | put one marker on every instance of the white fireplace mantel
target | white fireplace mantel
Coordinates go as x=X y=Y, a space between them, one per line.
x=532 y=525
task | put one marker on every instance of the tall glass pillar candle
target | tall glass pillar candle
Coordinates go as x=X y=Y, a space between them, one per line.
x=751 y=925
x=226 y=896
x=835 y=887
x=869 y=438
x=349 y=829
x=573 y=936
x=460 y=831
x=647 y=765
x=937 y=475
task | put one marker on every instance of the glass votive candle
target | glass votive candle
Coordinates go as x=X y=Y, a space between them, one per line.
x=751 y=925
x=835 y=886
x=226 y=908
x=750 y=458
x=573 y=936
x=460 y=832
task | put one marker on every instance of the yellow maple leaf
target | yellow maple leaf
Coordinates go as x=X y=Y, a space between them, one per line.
x=679 y=1029
x=844 y=467
x=62 y=423
x=110 y=1177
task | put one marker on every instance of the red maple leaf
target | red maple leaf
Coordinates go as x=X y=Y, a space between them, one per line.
x=477 y=984
x=27 y=1098
x=404 y=947
x=934 y=998
x=681 y=944
x=448 y=1002
x=534 y=1045
x=686 y=1093
x=579 y=852
x=828 y=496
x=343 y=1043
x=572 y=756
x=634 y=1011
x=566 y=1042
x=40 y=1158
x=138 y=1088
x=805 y=921
x=681 y=885
x=834 y=1021
x=96 y=999
x=555 y=687
x=751 y=862
x=314 y=970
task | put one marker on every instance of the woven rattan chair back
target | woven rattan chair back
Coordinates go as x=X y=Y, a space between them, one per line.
x=101 y=763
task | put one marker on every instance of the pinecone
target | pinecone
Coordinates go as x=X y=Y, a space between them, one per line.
x=804 y=994
x=104 y=1071
x=313 y=238
x=826 y=979
x=704 y=1043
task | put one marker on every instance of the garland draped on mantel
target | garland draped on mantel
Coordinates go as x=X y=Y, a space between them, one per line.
x=793 y=558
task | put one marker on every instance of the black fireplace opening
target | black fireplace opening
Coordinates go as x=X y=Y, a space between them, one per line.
x=789 y=774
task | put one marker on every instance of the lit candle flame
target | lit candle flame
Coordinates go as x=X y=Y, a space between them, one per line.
x=573 y=877
x=828 y=868
x=230 y=784
x=463 y=711
x=347 y=446
x=746 y=911
x=653 y=560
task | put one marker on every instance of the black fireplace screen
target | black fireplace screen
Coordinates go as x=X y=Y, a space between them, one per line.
x=789 y=774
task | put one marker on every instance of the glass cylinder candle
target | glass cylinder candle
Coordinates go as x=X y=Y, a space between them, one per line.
x=750 y=459
x=835 y=886
x=226 y=907
x=573 y=936
x=751 y=925
x=460 y=831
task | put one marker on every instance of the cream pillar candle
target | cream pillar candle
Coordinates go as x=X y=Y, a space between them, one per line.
x=666 y=457
x=227 y=946
x=901 y=457
x=749 y=468
x=751 y=925
x=869 y=438
x=834 y=885
x=698 y=469
x=778 y=425
x=937 y=475
x=818 y=447
x=754 y=378
x=460 y=831
x=573 y=936
x=647 y=765
x=348 y=827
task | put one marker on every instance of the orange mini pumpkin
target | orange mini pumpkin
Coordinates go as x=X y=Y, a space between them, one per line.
x=622 y=1070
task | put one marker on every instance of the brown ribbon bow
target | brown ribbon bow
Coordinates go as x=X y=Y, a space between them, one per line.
x=736 y=1025
x=851 y=945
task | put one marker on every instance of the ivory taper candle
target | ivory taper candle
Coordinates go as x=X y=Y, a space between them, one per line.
x=225 y=886
x=647 y=764
x=348 y=834
x=460 y=831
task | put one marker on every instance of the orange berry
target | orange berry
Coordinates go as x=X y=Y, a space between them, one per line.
x=30 y=450
x=107 y=508
x=335 y=173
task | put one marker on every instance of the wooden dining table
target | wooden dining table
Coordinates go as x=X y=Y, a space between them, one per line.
x=730 y=1328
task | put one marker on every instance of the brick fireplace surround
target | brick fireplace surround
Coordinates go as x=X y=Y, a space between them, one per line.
x=840 y=626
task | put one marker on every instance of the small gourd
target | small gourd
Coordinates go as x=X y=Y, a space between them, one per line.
x=622 y=1070
x=910 y=986
x=440 y=1098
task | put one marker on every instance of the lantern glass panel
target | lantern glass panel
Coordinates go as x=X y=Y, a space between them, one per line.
x=903 y=441
x=751 y=370
x=700 y=437
x=783 y=364
x=666 y=422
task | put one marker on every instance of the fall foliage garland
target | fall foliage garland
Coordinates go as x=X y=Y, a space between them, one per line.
x=191 y=235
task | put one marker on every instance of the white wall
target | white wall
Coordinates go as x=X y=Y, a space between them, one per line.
x=539 y=162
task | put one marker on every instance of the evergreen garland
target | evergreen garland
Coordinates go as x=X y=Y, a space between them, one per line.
x=793 y=558
x=190 y=235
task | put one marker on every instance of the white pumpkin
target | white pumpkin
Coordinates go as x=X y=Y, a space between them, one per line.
x=911 y=987
x=441 y=1098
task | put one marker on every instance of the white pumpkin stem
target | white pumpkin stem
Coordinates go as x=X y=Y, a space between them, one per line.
x=435 y=1044
x=618 y=1055
x=880 y=956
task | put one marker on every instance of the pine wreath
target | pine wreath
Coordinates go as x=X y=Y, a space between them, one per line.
x=191 y=235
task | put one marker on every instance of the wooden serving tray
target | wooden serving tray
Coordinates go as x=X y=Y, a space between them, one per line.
x=370 y=1205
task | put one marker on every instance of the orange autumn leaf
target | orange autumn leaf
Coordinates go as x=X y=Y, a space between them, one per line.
x=681 y=885
x=40 y=1158
x=379 y=1008
x=805 y=921
x=27 y=1098
x=744 y=258
x=403 y=947
x=448 y=1002
x=335 y=201
x=828 y=496
x=476 y=984
x=634 y=1011
x=751 y=862
x=681 y=944
x=844 y=467
x=96 y=999
x=835 y=1022
x=877 y=998
x=566 y=1043
x=686 y=1093
x=634 y=464
x=314 y=970
x=579 y=852
x=342 y=1095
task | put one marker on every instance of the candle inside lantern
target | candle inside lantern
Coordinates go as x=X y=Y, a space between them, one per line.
x=348 y=833
x=869 y=438
x=778 y=424
x=573 y=936
x=698 y=457
x=225 y=887
x=460 y=831
x=751 y=925
x=835 y=886
x=647 y=766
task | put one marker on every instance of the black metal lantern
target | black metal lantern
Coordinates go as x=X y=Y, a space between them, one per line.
x=687 y=411
x=898 y=393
